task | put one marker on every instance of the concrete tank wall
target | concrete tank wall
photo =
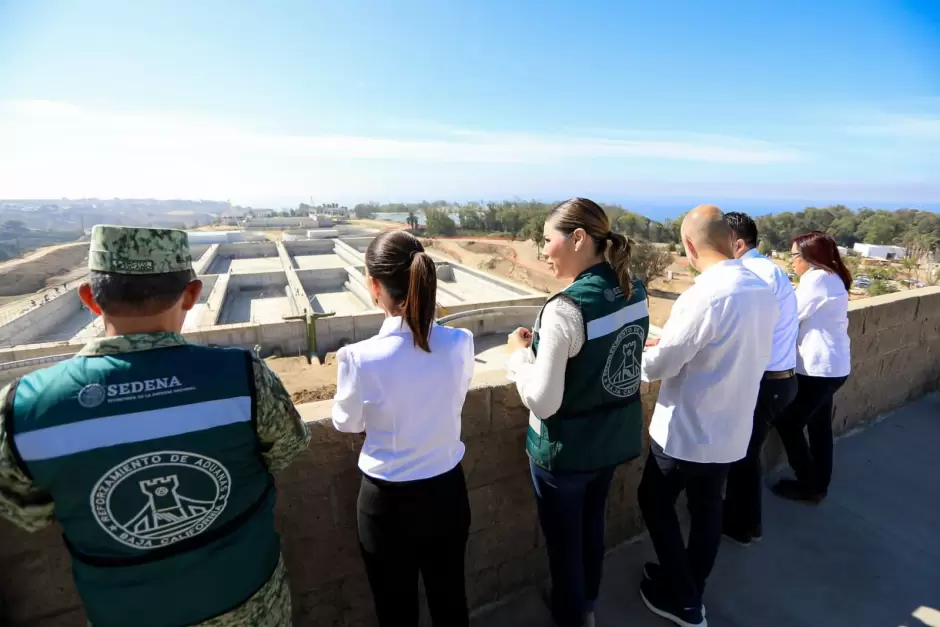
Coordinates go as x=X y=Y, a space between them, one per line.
x=258 y=280
x=248 y=250
x=309 y=247
x=41 y=320
x=322 y=233
x=322 y=280
x=201 y=265
x=357 y=243
x=295 y=292
x=356 y=285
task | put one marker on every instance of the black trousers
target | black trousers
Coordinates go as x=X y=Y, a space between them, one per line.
x=745 y=484
x=812 y=408
x=411 y=527
x=664 y=478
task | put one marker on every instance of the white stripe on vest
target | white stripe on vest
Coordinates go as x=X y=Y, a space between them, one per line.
x=617 y=320
x=87 y=435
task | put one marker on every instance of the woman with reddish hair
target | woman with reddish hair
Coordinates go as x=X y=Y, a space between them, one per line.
x=822 y=366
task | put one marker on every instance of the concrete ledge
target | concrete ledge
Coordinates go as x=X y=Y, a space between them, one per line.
x=895 y=358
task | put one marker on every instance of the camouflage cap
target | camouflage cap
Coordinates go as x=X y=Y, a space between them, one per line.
x=134 y=250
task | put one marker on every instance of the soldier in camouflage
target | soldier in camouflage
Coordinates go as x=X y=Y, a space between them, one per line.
x=198 y=429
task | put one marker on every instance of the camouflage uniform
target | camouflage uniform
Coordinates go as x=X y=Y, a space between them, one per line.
x=281 y=431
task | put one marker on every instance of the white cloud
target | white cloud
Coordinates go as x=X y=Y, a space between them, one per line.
x=57 y=149
x=900 y=126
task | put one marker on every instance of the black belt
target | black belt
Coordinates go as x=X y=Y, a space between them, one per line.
x=779 y=374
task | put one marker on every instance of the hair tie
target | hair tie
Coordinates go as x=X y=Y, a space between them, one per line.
x=609 y=236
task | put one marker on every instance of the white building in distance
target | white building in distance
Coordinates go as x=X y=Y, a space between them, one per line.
x=879 y=251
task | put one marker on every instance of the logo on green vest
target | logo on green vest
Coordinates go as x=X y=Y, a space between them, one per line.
x=91 y=396
x=159 y=499
x=622 y=371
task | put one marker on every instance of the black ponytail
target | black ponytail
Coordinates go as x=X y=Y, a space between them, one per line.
x=420 y=302
x=397 y=260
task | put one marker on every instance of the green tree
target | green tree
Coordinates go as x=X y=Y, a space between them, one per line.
x=13 y=226
x=534 y=230
x=764 y=247
x=879 y=287
x=879 y=228
x=471 y=219
x=649 y=262
x=365 y=210
x=884 y=273
x=437 y=222
x=910 y=266
x=511 y=219
x=490 y=219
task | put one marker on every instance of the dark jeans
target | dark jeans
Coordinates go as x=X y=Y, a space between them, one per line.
x=745 y=485
x=571 y=508
x=684 y=569
x=411 y=527
x=812 y=408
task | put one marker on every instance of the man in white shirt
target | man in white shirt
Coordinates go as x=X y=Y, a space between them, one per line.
x=710 y=358
x=742 y=515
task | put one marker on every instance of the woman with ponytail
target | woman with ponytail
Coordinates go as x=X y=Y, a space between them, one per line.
x=823 y=363
x=578 y=372
x=405 y=388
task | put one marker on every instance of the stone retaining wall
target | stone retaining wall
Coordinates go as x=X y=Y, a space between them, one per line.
x=895 y=356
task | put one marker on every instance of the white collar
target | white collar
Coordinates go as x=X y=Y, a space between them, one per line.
x=394 y=324
x=713 y=266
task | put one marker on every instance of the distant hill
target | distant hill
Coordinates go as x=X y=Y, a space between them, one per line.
x=70 y=214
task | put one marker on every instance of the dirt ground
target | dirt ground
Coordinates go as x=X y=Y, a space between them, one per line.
x=45 y=267
x=384 y=225
x=306 y=382
x=30 y=277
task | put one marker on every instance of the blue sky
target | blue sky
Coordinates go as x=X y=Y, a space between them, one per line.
x=271 y=103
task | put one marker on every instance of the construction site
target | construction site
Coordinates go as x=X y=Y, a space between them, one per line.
x=294 y=301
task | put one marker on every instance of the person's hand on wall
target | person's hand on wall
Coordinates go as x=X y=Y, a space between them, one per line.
x=520 y=338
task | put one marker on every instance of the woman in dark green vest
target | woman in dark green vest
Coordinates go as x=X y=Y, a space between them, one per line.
x=578 y=372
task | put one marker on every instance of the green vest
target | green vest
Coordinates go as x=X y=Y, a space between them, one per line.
x=600 y=421
x=154 y=465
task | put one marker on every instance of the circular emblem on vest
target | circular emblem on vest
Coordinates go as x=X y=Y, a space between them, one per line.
x=91 y=396
x=158 y=499
x=622 y=371
x=609 y=295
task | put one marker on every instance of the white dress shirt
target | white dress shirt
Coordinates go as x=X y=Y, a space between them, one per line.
x=541 y=380
x=406 y=400
x=783 y=353
x=823 y=309
x=710 y=358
